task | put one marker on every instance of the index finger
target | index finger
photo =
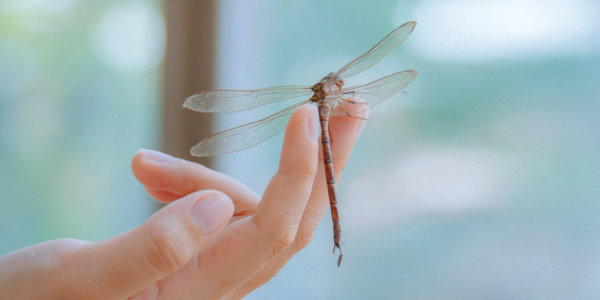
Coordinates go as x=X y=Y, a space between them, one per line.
x=168 y=178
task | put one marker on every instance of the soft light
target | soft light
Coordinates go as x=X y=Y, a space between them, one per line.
x=466 y=30
x=131 y=38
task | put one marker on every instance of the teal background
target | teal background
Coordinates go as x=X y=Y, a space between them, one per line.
x=71 y=117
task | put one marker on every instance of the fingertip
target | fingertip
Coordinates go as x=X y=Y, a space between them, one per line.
x=350 y=119
x=135 y=161
x=354 y=107
x=157 y=170
x=154 y=156
x=142 y=168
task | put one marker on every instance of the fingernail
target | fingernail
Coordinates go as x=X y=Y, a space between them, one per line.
x=211 y=212
x=313 y=123
x=156 y=156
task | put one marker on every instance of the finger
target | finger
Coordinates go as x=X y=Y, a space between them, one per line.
x=343 y=131
x=166 y=242
x=286 y=195
x=167 y=178
x=247 y=245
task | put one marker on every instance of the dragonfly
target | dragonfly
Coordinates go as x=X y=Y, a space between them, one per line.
x=327 y=94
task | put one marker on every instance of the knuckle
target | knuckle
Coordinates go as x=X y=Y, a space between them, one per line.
x=303 y=176
x=167 y=250
x=282 y=241
x=302 y=240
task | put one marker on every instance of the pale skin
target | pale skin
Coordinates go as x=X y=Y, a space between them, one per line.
x=216 y=239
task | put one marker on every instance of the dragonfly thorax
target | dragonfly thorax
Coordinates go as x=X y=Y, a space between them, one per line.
x=327 y=84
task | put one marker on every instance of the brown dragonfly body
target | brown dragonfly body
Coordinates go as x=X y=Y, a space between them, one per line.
x=327 y=94
x=326 y=105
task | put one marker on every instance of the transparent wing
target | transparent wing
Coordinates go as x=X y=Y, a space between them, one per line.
x=379 y=51
x=372 y=93
x=239 y=100
x=245 y=136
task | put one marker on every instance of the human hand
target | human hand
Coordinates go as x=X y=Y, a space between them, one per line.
x=217 y=240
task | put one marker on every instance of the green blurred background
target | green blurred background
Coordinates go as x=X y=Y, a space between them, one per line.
x=481 y=182
x=79 y=92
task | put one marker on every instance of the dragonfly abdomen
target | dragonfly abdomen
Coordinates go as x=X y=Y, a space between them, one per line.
x=324 y=112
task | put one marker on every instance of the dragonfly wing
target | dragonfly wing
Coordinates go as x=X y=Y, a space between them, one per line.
x=245 y=136
x=368 y=95
x=239 y=100
x=379 y=51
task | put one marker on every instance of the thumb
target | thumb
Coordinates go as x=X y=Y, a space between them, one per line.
x=167 y=241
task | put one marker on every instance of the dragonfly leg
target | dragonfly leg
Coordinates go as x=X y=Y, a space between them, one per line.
x=357 y=117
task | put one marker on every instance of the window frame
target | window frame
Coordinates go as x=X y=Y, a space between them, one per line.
x=190 y=67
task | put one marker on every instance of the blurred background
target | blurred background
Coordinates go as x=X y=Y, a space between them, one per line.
x=481 y=182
